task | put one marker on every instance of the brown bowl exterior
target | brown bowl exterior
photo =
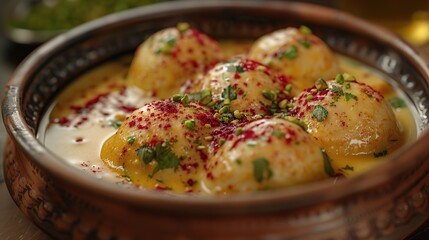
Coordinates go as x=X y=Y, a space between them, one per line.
x=387 y=202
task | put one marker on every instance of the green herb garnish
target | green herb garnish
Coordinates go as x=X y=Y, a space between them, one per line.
x=162 y=154
x=261 y=169
x=337 y=90
x=235 y=69
x=397 y=103
x=349 y=96
x=290 y=53
x=319 y=112
x=229 y=93
x=327 y=164
x=305 y=43
x=277 y=133
x=115 y=124
x=131 y=140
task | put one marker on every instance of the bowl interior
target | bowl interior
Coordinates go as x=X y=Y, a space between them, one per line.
x=54 y=65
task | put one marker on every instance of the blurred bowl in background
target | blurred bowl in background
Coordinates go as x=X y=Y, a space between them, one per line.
x=36 y=21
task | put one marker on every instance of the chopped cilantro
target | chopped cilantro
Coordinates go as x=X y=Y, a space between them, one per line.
x=146 y=153
x=131 y=139
x=166 y=45
x=162 y=154
x=239 y=162
x=229 y=93
x=350 y=96
x=305 y=43
x=261 y=169
x=397 y=102
x=380 y=154
x=277 y=133
x=290 y=53
x=347 y=85
x=115 y=124
x=337 y=90
x=319 y=112
x=235 y=69
x=327 y=164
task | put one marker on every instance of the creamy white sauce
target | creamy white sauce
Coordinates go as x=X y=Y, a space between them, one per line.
x=79 y=142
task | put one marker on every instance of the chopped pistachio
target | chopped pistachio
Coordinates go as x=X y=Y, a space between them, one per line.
x=211 y=104
x=261 y=68
x=190 y=124
x=270 y=95
x=339 y=78
x=206 y=97
x=208 y=138
x=238 y=131
x=226 y=101
x=348 y=77
x=222 y=141
x=283 y=104
x=183 y=26
x=177 y=97
x=305 y=30
x=224 y=109
x=309 y=97
x=234 y=121
x=237 y=114
x=288 y=88
x=185 y=99
x=321 y=84
x=201 y=147
x=207 y=125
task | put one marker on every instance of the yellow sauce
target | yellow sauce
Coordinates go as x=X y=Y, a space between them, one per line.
x=79 y=139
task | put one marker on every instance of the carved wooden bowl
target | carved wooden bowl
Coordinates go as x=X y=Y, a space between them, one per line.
x=389 y=201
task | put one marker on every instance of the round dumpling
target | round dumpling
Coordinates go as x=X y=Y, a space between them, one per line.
x=168 y=61
x=298 y=54
x=348 y=117
x=245 y=85
x=161 y=145
x=265 y=154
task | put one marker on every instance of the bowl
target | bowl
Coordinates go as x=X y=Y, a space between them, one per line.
x=389 y=201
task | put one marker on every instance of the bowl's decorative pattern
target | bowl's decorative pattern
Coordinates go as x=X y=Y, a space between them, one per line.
x=388 y=208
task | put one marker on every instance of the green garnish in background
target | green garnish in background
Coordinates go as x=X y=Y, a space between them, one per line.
x=65 y=14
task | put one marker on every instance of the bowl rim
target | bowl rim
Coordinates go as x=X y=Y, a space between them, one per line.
x=22 y=135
